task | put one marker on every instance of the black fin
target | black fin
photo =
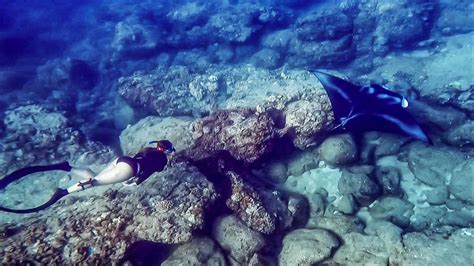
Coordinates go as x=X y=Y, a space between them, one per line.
x=4 y=182
x=58 y=194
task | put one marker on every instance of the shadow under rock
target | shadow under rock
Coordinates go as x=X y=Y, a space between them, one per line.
x=83 y=75
x=143 y=252
x=214 y=169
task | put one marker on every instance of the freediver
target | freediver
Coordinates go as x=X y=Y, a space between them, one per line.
x=129 y=170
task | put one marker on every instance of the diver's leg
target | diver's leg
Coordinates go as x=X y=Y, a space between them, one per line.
x=119 y=173
x=87 y=173
x=114 y=173
x=111 y=165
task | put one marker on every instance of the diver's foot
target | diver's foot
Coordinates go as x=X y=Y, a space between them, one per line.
x=130 y=182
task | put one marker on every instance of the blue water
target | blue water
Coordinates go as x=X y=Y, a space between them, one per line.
x=102 y=66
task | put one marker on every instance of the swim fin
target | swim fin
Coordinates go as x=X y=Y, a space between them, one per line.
x=58 y=194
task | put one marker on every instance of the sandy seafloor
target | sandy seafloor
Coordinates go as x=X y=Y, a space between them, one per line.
x=257 y=179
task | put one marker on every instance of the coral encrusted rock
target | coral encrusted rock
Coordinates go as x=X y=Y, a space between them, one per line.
x=174 y=90
x=37 y=134
x=235 y=237
x=260 y=209
x=307 y=247
x=245 y=134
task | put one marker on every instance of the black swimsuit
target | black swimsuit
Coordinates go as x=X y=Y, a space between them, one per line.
x=145 y=163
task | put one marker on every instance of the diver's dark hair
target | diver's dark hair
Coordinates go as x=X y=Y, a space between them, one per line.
x=165 y=144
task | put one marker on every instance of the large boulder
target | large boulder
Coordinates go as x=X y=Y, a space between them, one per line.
x=433 y=166
x=433 y=78
x=451 y=248
x=444 y=84
x=258 y=208
x=322 y=37
x=175 y=129
x=173 y=206
x=375 y=246
x=360 y=185
x=389 y=179
x=206 y=24
x=245 y=134
x=199 y=251
x=327 y=52
x=295 y=100
x=171 y=91
x=392 y=209
x=304 y=119
x=461 y=135
x=235 y=237
x=307 y=247
x=338 y=150
x=455 y=18
x=327 y=25
x=303 y=161
x=37 y=135
x=188 y=15
x=135 y=38
x=402 y=23
x=462 y=181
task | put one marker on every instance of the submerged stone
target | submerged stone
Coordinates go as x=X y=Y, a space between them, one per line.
x=258 y=208
x=438 y=195
x=346 y=204
x=361 y=186
x=461 y=135
x=460 y=218
x=427 y=217
x=394 y=210
x=199 y=251
x=307 y=247
x=432 y=165
x=244 y=133
x=338 y=150
x=462 y=181
x=302 y=162
x=389 y=179
x=235 y=237
x=451 y=248
x=275 y=172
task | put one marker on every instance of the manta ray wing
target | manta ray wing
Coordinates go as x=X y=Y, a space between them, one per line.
x=342 y=94
x=397 y=122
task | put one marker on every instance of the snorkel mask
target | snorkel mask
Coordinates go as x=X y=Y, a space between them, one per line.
x=164 y=145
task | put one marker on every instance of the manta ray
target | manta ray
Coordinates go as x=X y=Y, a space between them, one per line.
x=371 y=107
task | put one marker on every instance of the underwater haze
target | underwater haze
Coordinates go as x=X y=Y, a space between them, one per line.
x=303 y=132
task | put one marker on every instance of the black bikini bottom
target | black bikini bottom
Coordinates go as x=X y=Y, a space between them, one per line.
x=130 y=161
